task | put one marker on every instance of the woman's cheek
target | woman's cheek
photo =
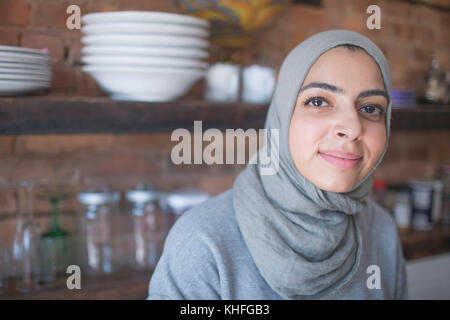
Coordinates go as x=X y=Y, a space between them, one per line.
x=376 y=141
x=308 y=132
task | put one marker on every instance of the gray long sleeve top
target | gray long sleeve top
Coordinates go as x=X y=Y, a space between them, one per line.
x=205 y=257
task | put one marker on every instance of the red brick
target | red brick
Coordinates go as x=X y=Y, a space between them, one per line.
x=120 y=165
x=355 y=23
x=74 y=48
x=216 y=184
x=398 y=10
x=9 y=36
x=56 y=144
x=51 y=14
x=53 y=44
x=15 y=12
x=301 y=16
x=6 y=144
x=144 y=142
x=7 y=201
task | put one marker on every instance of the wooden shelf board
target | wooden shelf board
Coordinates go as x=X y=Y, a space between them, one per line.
x=77 y=115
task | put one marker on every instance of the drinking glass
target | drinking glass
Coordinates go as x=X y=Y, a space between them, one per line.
x=26 y=238
x=55 y=243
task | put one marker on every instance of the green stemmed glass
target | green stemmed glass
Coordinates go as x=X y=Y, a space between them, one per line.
x=55 y=242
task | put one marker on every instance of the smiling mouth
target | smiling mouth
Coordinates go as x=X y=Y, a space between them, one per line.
x=340 y=162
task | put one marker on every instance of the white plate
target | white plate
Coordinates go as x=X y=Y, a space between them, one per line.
x=45 y=72
x=140 y=28
x=17 y=76
x=18 y=87
x=26 y=66
x=142 y=16
x=23 y=50
x=23 y=57
x=146 y=51
x=143 y=61
x=143 y=40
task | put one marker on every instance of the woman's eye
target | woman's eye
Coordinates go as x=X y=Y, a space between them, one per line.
x=373 y=110
x=316 y=102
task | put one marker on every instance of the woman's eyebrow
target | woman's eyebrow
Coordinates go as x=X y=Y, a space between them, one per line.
x=332 y=88
x=322 y=85
x=374 y=92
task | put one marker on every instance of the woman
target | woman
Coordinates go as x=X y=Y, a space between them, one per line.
x=311 y=229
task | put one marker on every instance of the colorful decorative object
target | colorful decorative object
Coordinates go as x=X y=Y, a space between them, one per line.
x=234 y=22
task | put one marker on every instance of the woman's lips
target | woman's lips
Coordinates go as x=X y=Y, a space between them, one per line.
x=340 y=162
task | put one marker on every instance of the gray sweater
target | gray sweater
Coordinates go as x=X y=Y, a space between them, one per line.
x=205 y=257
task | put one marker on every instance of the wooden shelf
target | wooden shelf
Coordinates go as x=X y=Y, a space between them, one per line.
x=74 y=115
x=123 y=285
x=67 y=115
x=420 y=244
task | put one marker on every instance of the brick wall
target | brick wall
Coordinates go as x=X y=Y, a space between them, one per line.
x=409 y=33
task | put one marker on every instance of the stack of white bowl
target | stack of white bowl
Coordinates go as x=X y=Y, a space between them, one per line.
x=145 y=55
x=23 y=70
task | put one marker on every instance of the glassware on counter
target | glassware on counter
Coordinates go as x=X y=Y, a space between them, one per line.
x=402 y=211
x=148 y=226
x=4 y=264
x=26 y=238
x=55 y=243
x=445 y=179
x=426 y=204
x=99 y=226
x=179 y=201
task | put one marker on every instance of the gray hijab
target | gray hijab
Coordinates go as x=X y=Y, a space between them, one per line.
x=305 y=242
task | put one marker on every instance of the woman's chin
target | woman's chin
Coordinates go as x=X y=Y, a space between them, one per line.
x=339 y=185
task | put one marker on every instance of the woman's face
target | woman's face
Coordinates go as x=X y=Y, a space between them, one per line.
x=337 y=131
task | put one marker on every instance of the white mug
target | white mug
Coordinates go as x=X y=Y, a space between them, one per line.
x=258 y=84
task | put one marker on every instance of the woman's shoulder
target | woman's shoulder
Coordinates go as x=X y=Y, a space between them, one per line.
x=380 y=217
x=213 y=218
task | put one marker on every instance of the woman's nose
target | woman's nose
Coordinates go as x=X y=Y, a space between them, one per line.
x=348 y=125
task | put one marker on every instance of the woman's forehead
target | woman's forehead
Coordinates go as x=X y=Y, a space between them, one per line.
x=350 y=70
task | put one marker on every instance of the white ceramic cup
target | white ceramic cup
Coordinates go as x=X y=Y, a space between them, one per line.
x=222 y=83
x=258 y=84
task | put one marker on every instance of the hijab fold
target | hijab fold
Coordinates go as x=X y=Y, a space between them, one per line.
x=305 y=241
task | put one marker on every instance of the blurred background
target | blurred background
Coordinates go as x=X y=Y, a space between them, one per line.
x=66 y=172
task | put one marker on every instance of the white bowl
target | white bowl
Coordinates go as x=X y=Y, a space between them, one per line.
x=142 y=28
x=146 y=51
x=20 y=87
x=142 y=16
x=144 y=83
x=144 y=40
x=124 y=60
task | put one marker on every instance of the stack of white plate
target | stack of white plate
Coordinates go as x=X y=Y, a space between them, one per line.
x=145 y=55
x=23 y=70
